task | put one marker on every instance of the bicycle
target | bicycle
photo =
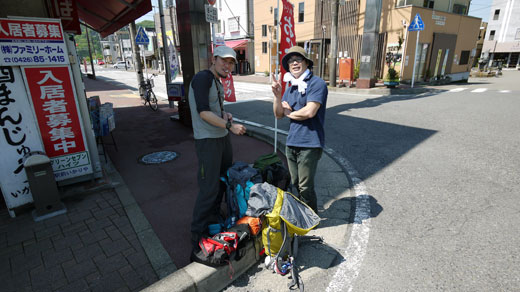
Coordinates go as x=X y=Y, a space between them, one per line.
x=147 y=94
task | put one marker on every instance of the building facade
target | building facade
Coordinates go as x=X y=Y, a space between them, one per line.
x=502 y=41
x=446 y=46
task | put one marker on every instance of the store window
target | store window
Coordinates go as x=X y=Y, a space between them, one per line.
x=233 y=23
x=464 y=58
x=428 y=3
x=301 y=11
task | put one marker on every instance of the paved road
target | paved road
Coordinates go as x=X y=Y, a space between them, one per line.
x=441 y=174
x=443 y=170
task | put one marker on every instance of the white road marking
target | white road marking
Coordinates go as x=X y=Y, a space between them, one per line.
x=350 y=266
x=505 y=91
x=458 y=89
x=353 y=255
x=479 y=90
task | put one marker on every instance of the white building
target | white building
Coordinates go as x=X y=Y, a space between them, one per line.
x=502 y=41
x=236 y=25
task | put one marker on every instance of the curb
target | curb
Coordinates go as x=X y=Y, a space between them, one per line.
x=199 y=277
x=385 y=91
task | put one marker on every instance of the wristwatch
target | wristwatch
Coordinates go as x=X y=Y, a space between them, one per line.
x=228 y=125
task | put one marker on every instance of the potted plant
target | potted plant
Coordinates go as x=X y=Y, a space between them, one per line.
x=391 y=78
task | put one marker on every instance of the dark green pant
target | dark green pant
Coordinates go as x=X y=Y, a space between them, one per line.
x=303 y=163
x=215 y=157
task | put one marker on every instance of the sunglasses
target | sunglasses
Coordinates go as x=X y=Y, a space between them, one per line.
x=293 y=59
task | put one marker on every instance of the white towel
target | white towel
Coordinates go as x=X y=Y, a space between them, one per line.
x=302 y=85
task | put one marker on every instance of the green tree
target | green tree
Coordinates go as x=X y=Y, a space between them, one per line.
x=82 y=45
x=146 y=24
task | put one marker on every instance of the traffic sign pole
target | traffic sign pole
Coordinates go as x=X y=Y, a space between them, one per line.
x=416 y=25
x=415 y=57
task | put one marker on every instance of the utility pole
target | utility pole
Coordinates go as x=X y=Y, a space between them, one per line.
x=136 y=54
x=90 y=54
x=369 y=44
x=333 y=57
x=166 y=61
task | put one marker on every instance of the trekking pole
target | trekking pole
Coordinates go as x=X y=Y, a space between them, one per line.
x=276 y=71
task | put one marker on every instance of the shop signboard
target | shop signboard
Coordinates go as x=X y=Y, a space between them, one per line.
x=54 y=102
x=67 y=11
x=18 y=136
x=32 y=42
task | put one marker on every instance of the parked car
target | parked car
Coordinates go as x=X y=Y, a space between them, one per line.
x=101 y=62
x=119 y=65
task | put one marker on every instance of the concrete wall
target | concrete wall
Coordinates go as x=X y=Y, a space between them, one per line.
x=34 y=8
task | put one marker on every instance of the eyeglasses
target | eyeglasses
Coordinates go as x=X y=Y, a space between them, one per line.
x=293 y=59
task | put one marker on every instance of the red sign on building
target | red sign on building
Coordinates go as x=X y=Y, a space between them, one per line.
x=55 y=107
x=67 y=11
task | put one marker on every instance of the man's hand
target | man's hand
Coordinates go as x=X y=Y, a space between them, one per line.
x=228 y=116
x=287 y=109
x=276 y=87
x=238 y=129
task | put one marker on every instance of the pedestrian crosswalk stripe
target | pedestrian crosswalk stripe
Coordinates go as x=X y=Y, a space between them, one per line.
x=479 y=90
x=458 y=89
x=505 y=91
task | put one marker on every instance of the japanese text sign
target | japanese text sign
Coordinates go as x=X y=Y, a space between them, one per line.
x=18 y=136
x=56 y=111
x=28 y=42
x=67 y=11
x=229 y=88
x=287 y=37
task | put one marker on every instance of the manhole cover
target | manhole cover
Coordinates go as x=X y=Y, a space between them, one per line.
x=158 y=157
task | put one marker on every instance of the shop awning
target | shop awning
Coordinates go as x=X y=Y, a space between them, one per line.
x=108 y=16
x=235 y=44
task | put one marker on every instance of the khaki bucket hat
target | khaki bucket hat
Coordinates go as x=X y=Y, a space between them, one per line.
x=295 y=50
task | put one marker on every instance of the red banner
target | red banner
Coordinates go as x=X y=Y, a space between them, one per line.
x=55 y=107
x=11 y=29
x=229 y=88
x=287 y=37
x=67 y=11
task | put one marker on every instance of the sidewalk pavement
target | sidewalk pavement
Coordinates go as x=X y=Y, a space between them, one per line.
x=130 y=228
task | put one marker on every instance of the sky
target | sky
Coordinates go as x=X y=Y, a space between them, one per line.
x=477 y=8
x=481 y=9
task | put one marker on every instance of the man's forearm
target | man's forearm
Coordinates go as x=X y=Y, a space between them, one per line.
x=213 y=119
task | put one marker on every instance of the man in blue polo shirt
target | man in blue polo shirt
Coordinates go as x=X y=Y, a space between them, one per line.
x=304 y=103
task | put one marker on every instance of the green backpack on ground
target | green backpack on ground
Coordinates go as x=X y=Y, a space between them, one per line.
x=273 y=170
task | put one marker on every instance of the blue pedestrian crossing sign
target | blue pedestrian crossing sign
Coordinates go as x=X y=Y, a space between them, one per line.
x=417 y=24
x=141 y=38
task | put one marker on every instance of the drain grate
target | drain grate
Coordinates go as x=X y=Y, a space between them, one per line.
x=158 y=157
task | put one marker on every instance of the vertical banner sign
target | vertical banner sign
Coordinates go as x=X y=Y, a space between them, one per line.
x=28 y=42
x=67 y=11
x=229 y=88
x=54 y=102
x=18 y=136
x=174 y=66
x=287 y=36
